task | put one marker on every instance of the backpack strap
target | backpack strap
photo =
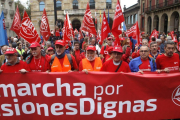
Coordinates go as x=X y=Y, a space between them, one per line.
x=70 y=60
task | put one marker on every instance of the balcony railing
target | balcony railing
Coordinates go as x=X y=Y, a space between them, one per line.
x=75 y=12
x=162 y=5
x=4 y=10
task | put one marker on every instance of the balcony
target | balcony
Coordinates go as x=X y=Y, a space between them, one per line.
x=75 y=12
x=11 y=12
x=2 y=0
x=163 y=5
x=4 y=10
x=7 y=24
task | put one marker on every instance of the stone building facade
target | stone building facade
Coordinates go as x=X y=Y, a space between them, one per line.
x=75 y=8
x=162 y=15
x=8 y=7
x=131 y=15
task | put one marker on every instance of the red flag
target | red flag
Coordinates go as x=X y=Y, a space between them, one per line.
x=88 y=24
x=80 y=36
x=154 y=33
x=75 y=31
x=67 y=30
x=28 y=31
x=118 y=19
x=138 y=34
x=44 y=28
x=174 y=39
x=105 y=28
x=16 y=25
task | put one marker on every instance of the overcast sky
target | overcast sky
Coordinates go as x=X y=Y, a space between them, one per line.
x=128 y=3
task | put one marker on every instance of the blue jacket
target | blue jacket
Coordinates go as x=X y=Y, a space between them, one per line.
x=134 y=64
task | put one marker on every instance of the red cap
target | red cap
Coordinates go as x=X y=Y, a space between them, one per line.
x=117 y=49
x=35 y=44
x=10 y=51
x=109 y=38
x=60 y=42
x=142 y=33
x=91 y=47
x=50 y=48
x=122 y=38
x=110 y=49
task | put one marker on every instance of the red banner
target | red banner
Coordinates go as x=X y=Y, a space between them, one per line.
x=89 y=96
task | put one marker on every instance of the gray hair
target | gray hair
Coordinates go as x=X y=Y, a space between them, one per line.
x=158 y=40
x=152 y=43
x=48 y=43
x=169 y=38
x=170 y=42
x=145 y=40
x=145 y=46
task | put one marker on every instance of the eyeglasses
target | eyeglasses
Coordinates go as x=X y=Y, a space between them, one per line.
x=145 y=51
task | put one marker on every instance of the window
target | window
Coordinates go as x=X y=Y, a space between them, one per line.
x=132 y=21
x=58 y=5
x=142 y=22
x=128 y=19
x=92 y=4
x=157 y=3
x=143 y=7
x=108 y=4
x=41 y=6
x=135 y=18
x=75 y=4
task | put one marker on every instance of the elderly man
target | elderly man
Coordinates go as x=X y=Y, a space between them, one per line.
x=91 y=62
x=2 y=57
x=154 y=53
x=13 y=64
x=104 y=50
x=38 y=60
x=116 y=64
x=136 y=52
x=62 y=62
x=144 y=62
x=168 y=62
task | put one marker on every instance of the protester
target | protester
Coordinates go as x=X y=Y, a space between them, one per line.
x=116 y=64
x=13 y=64
x=162 y=44
x=38 y=61
x=104 y=49
x=62 y=62
x=136 y=52
x=50 y=51
x=154 y=53
x=77 y=52
x=2 y=57
x=19 y=49
x=143 y=62
x=91 y=62
x=169 y=61
x=94 y=43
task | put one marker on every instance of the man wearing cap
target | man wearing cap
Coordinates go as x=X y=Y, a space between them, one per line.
x=104 y=50
x=38 y=60
x=143 y=62
x=13 y=64
x=91 y=62
x=116 y=64
x=50 y=51
x=62 y=62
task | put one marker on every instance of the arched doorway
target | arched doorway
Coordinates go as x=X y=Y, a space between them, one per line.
x=174 y=21
x=60 y=23
x=76 y=24
x=156 y=22
x=149 y=24
x=164 y=23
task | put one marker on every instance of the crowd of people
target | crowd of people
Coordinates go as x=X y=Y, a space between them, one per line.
x=152 y=55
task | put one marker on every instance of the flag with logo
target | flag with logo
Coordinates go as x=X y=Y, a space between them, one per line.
x=44 y=28
x=88 y=24
x=104 y=29
x=16 y=25
x=3 y=33
x=118 y=19
x=154 y=34
x=28 y=31
x=67 y=30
